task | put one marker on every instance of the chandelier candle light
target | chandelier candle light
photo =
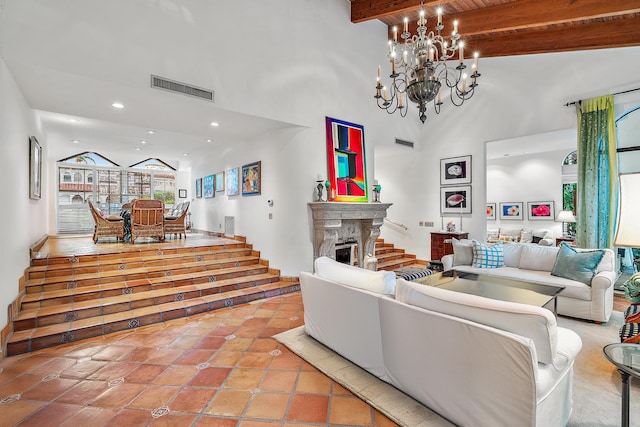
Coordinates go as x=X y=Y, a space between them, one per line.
x=419 y=69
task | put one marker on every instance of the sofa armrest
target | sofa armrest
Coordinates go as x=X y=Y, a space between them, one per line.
x=447 y=262
x=603 y=280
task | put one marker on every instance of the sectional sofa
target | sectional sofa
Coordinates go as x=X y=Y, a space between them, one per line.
x=473 y=360
x=590 y=300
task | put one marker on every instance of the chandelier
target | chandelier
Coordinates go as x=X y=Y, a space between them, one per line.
x=420 y=71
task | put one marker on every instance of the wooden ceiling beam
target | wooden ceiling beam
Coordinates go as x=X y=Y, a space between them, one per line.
x=528 y=14
x=366 y=10
x=620 y=32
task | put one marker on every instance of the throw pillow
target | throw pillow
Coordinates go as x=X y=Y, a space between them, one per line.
x=576 y=265
x=462 y=252
x=487 y=256
x=535 y=239
x=526 y=236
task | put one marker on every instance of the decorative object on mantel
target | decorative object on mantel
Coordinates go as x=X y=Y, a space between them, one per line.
x=376 y=191
x=319 y=189
x=420 y=70
x=451 y=227
x=346 y=161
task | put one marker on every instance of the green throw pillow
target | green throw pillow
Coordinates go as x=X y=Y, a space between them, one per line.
x=580 y=266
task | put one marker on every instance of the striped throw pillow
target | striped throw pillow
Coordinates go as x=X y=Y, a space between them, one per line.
x=488 y=256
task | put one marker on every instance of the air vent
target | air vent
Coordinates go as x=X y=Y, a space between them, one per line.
x=405 y=143
x=183 y=88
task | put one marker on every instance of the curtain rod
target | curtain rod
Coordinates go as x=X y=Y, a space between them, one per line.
x=617 y=93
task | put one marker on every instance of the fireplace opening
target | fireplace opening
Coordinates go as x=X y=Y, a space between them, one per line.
x=346 y=252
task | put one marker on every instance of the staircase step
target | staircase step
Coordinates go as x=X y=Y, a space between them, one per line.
x=79 y=307
x=393 y=255
x=394 y=264
x=46 y=336
x=141 y=273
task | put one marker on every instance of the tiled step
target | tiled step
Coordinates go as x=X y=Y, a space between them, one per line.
x=394 y=255
x=92 y=265
x=394 y=264
x=134 y=274
x=73 y=297
x=46 y=336
x=53 y=310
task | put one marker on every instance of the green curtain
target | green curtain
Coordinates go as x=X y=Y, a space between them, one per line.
x=597 y=173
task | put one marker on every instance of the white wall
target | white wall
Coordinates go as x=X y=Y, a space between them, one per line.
x=24 y=219
x=517 y=96
x=531 y=178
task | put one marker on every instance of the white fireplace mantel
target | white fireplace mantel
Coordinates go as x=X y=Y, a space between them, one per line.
x=335 y=222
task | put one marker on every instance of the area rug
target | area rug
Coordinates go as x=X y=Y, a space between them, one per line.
x=596 y=390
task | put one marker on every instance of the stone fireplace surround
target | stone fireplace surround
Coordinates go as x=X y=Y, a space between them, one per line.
x=339 y=222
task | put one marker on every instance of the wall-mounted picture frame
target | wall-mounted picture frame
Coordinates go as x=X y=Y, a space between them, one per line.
x=540 y=211
x=346 y=161
x=208 y=187
x=35 y=168
x=232 y=178
x=182 y=193
x=455 y=200
x=511 y=210
x=199 y=188
x=455 y=170
x=252 y=179
x=220 y=182
x=491 y=211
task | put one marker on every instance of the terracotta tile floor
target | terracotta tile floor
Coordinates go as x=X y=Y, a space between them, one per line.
x=220 y=368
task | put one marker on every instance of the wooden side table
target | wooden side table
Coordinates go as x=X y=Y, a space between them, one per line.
x=570 y=240
x=438 y=246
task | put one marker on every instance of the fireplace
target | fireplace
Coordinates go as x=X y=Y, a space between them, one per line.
x=337 y=223
x=346 y=252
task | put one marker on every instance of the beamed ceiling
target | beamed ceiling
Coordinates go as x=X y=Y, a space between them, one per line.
x=518 y=27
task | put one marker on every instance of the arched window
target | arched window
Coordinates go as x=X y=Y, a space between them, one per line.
x=66 y=177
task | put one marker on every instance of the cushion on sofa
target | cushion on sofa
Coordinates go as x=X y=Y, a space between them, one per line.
x=526 y=236
x=536 y=257
x=577 y=265
x=512 y=253
x=462 y=251
x=488 y=256
x=535 y=323
x=382 y=282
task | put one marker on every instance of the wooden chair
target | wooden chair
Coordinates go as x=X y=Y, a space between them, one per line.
x=175 y=223
x=111 y=226
x=147 y=219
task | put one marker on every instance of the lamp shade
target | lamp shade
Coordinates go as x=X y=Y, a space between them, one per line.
x=628 y=231
x=565 y=216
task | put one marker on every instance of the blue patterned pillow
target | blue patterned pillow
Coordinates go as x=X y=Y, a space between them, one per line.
x=488 y=256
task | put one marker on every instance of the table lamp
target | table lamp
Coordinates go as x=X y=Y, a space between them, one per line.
x=628 y=229
x=564 y=217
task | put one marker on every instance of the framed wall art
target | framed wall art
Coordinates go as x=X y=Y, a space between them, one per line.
x=511 y=210
x=232 y=178
x=491 y=211
x=182 y=193
x=251 y=179
x=455 y=200
x=220 y=182
x=35 y=168
x=346 y=161
x=207 y=187
x=540 y=211
x=455 y=170
x=199 y=187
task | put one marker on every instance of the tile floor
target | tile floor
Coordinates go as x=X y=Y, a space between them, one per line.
x=220 y=368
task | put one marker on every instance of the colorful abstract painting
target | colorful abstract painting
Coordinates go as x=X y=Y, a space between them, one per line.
x=251 y=179
x=208 y=188
x=346 y=161
x=232 y=182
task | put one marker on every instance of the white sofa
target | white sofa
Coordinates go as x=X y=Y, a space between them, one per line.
x=534 y=263
x=473 y=360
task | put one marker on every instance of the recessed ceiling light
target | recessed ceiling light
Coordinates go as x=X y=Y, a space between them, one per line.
x=118 y=105
x=138 y=148
x=185 y=154
x=215 y=124
x=151 y=132
x=143 y=142
x=209 y=140
x=75 y=141
x=73 y=120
